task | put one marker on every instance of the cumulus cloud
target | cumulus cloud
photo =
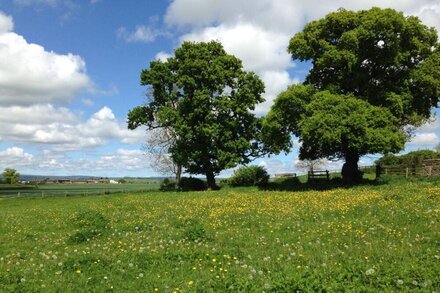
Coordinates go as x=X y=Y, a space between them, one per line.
x=31 y=75
x=63 y=129
x=122 y=160
x=15 y=157
x=6 y=23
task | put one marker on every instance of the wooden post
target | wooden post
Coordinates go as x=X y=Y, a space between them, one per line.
x=430 y=171
x=328 y=175
x=406 y=172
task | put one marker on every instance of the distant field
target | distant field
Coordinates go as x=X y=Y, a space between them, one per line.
x=74 y=189
x=363 y=239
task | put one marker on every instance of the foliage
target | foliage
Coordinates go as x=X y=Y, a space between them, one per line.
x=167 y=185
x=10 y=176
x=122 y=181
x=232 y=240
x=310 y=165
x=337 y=125
x=409 y=159
x=203 y=94
x=378 y=70
x=192 y=184
x=249 y=176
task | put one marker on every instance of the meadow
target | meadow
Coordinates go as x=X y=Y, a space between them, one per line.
x=74 y=189
x=363 y=239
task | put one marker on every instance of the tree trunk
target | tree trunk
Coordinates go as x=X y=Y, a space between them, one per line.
x=350 y=169
x=210 y=179
x=178 y=175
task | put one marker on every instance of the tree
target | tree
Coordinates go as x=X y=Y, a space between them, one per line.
x=10 y=176
x=157 y=147
x=375 y=77
x=310 y=165
x=206 y=98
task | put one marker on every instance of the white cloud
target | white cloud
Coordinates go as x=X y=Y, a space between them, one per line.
x=31 y=75
x=6 y=23
x=121 y=160
x=259 y=49
x=142 y=33
x=429 y=140
x=162 y=56
x=15 y=157
x=63 y=129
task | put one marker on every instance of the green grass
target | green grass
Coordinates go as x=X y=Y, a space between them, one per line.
x=364 y=239
x=73 y=189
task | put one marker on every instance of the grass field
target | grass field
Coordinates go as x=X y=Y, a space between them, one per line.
x=73 y=189
x=362 y=239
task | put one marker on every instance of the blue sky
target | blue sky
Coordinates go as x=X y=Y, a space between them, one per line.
x=69 y=72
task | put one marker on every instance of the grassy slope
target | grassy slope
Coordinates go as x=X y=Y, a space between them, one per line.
x=367 y=238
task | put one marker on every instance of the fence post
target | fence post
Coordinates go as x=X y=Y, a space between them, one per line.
x=327 y=175
x=406 y=172
x=42 y=194
x=430 y=171
x=18 y=194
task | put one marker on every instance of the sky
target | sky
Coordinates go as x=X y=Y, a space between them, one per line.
x=69 y=72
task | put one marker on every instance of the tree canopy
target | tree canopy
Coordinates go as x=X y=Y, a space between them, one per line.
x=205 y=96
x=10 y=176
x=375 y=76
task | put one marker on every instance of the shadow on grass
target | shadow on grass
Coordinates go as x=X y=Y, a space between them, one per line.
x=294 y=184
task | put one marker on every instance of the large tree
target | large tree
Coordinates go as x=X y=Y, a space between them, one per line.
x=375 y=76
x=10 y=176
x=206 y=98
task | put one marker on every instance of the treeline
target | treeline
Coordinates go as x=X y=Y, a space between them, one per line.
x=410 y=159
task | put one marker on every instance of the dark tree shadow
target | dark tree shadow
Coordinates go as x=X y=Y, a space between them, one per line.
x=294 y=184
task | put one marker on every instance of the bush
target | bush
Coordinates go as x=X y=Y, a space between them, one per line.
x=192 y=184
x=249 y=176
x=186 y=184
x=167 y=185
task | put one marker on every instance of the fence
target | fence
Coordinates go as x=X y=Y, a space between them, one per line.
x=53 y=193
x=426 y=167
x=431 y=167
x=315 y=174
